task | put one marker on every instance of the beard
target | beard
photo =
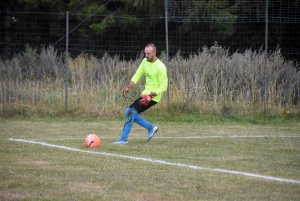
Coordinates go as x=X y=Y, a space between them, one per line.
x=151 y=59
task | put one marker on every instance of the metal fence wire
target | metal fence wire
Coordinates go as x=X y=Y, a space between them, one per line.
x=236 y=25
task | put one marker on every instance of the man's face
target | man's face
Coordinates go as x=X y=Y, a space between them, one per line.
x=150 y=54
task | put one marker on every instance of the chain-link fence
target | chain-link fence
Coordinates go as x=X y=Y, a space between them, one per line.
x=236 y=25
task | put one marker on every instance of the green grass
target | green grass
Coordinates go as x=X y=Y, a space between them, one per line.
x=36 y=172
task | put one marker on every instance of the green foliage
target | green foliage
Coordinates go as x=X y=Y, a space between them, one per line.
x=95 y=9
x=27 y=62
x=28 y=54
x=73 y=3
x=215 y=49
x=218 y=13
x=101 y=27
x=197 y=17
x=127 y=20
x=224 y=23
x=31 y=5
x=150 y=7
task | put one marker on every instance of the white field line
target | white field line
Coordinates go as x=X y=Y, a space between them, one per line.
x=232 y=136
x=188 y=137
x=161 y=161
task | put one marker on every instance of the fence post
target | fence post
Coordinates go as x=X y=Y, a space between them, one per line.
x=266 y=59
x=167 y=48
x=67 y=61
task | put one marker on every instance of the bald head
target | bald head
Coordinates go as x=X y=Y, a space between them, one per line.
x=150 y=52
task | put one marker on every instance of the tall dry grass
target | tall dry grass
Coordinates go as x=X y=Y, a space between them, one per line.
x=210 y=82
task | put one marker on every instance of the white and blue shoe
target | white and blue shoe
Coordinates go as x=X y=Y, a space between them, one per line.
x=121 y=141
x=152 y=132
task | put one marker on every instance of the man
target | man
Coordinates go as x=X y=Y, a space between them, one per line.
x=156 y=83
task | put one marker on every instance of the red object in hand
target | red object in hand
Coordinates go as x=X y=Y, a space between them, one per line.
x=125 y=91
x=146 y=100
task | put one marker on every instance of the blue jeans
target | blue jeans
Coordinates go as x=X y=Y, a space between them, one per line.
x=132 y=115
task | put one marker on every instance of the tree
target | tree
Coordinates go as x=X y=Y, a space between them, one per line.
x=219 y=13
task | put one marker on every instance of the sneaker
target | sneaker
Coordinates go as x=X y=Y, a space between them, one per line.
x=121 y=141
x=152 y=132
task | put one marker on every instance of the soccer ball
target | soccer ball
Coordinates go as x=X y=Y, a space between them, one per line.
x=92 y=140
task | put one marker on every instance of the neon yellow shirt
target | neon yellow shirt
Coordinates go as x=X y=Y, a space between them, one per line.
x=156 y=77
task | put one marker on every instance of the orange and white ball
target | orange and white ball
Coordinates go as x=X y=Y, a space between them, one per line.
x=92 y=140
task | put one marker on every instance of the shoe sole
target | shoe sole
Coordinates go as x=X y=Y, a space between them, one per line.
x=120 y=143
x=152 y=135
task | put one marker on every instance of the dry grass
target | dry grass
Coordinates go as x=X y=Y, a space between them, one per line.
x=37 y=172
x=211 y=82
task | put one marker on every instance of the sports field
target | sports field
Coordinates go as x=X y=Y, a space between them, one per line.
x=48 y=160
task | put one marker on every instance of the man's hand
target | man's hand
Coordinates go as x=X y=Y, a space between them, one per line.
x=147 y=99
x=126 y=89
x=152 y=94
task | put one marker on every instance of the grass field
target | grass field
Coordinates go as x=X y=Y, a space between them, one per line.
x=47 y=160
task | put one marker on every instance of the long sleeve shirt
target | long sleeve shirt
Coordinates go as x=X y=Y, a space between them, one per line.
x=156 y=77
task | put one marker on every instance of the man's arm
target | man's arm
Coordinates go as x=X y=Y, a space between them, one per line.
x=127 y=89
x=163 y=82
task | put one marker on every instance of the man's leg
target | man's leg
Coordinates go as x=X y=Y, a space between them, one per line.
x=130 y=114
x=142 y=122
x=152 y=129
